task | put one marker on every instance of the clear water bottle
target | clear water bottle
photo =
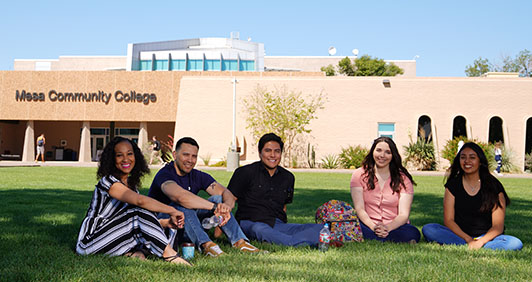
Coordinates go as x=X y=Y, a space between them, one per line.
x=325 y=238
x=210 y=222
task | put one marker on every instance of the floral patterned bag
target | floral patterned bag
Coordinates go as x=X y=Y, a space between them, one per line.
x=342 y=219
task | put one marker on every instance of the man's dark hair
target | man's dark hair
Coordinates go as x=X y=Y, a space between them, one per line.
x=187 y=140
x=270 y=137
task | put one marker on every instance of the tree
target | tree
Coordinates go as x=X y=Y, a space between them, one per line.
x=522 y=63
x=366 y=66
x=329 y=70
x=346 y=67
x=283 y=112
x=480 y=66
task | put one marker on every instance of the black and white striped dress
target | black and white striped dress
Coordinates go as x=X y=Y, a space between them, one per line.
x=113 y=227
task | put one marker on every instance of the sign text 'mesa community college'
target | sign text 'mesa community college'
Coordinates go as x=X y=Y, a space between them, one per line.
x=100 y=96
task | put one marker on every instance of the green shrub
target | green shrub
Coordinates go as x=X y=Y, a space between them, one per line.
x=451 y=147
x=206 y=159
x=330 y=161
x=221 y=163
x=352 y=157
x=507 y=163
x=420 y=154
x=528 y=162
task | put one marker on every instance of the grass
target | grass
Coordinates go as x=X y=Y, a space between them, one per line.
x=41 y=210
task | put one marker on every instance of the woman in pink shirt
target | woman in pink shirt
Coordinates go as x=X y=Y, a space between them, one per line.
x=382 y=192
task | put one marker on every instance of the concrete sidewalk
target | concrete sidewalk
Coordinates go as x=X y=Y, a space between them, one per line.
x=157 y=167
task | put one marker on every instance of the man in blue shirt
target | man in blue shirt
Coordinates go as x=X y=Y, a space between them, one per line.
x=178 y=183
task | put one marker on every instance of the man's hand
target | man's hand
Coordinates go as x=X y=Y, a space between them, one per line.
x=223 y=210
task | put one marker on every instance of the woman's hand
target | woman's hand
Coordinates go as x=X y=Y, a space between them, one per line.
x=177 y=219
x=475 y=244
x=381 y=230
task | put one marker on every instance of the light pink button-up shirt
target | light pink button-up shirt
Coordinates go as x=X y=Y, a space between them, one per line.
x=382 y=206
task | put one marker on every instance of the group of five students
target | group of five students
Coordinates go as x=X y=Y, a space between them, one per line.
x=121 y=221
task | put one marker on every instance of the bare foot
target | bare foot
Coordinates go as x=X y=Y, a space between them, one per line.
x=138 y=254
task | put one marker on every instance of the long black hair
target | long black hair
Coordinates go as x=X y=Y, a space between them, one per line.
x=489 y=191
x=396 y=166
x=107 y=163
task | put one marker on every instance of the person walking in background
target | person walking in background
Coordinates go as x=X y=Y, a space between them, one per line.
x=382 y=192
x=41 y=141
x=498 y=158
x=156 y=150
x=120 y=220
x=474 y=206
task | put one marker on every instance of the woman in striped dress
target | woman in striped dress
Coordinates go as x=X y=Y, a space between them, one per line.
x=120 y=221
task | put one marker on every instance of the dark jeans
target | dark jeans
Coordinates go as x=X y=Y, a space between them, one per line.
x=404 y=234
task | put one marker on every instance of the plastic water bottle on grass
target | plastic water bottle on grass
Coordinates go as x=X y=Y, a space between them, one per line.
x=210 y=222
x=325 y=238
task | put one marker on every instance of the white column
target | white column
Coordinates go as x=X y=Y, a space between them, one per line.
x=143 y=136
x=85 y=143
x=28 y=151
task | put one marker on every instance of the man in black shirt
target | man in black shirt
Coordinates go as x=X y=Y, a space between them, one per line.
x=263 y=189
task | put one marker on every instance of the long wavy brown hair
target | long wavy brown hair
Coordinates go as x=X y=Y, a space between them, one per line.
x=396 y=166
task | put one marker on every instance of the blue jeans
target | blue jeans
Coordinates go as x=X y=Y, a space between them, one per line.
x=194 y=232
x=404 y=234
x=435 y=232
x=288 y=234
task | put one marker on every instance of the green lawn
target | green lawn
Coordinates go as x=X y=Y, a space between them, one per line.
x=41 y=209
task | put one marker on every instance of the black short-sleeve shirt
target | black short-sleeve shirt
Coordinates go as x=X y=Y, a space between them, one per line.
x=467 y=209
x=261 y=197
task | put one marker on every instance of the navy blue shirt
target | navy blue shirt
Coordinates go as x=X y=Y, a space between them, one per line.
x=261 y=197
x=194 y=182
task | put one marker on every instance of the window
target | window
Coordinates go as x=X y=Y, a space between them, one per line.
x=161 y=65
x=386 y=130
x=212 y=65
x=424 y=128
x=459 y=127
x=229 y=65
x=126 y=131
x=528 y=142
x=246 y=65
x=178 y=65
x=99 y=131
x=495 y=133
x=195 y=65
x=145 y=65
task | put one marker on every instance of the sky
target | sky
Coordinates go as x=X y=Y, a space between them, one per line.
x=446 y=35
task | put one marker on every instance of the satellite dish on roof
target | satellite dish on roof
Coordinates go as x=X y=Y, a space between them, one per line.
x=355 y=52
x=332 y=51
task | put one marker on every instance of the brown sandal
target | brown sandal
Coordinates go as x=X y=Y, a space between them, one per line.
x=177 y=256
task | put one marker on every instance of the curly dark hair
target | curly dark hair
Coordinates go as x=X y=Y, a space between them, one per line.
x=490 y=184
x=107 y=165
x=396 y=166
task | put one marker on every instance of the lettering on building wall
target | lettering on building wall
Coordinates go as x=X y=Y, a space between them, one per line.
x=86 y=97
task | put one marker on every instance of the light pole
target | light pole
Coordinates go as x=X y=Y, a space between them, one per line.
x=233 y=157
x=233 y=145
